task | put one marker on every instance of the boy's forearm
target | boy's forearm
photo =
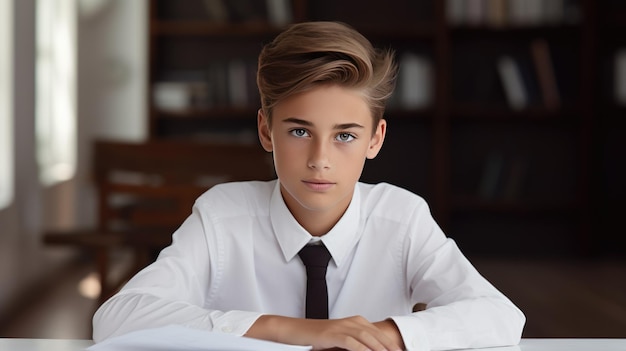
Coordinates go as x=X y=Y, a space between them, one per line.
x=266 y=327
x=288 y=330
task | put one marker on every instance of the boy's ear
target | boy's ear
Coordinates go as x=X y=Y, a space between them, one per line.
x=265 y=136
x=376 y=142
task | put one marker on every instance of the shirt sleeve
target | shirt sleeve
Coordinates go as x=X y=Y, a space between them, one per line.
x=463 y=309
x=172 y=290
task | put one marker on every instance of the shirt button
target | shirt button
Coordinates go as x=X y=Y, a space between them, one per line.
x=227 y=329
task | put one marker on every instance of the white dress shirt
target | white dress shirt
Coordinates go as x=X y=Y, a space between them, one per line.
x=236 y=258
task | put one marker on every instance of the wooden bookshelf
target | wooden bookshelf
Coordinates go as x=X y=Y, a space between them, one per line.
x=558 y=188
x=609 y=127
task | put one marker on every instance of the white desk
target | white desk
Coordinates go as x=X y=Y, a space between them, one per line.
x=566 y=345
x=8 y=344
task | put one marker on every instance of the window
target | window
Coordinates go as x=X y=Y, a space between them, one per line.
x=56 y=90
x=6 y=103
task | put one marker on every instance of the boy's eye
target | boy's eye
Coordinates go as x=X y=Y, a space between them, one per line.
x=345 y=137
x=299 y=132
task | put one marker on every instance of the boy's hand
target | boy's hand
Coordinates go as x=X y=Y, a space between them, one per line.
x=353 y=333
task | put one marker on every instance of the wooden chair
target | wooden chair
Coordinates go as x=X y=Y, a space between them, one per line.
x=146 y=190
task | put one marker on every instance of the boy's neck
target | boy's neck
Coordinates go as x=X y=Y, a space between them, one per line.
x=316 y=222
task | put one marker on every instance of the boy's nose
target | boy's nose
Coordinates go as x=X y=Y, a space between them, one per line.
x=318 y=156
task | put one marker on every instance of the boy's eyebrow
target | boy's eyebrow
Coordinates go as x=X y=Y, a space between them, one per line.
x=309 y=124
x=348 y=126
x=298 y=121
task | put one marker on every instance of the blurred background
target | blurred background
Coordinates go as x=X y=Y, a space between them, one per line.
x=509 y=118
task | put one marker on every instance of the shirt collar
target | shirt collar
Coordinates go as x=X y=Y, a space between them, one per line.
x=292 y=237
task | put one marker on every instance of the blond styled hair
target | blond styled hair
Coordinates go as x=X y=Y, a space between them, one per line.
x=310 y=54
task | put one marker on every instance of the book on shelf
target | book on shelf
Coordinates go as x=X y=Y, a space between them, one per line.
x=455 y=11
x=512 y=82
x=181 y=90
x=529 y=79
x=498 y=13
x=526 y=12
x=513 y=184
x=218 y=84
x=276 y=12
x=619 y=83
x=545 y=73
x=415 y=81
x=246 y=10
x=232 y=83
x=237 y=86
x=216 y=10
x=180 y=96
x=279 y=12
x=475 y=11
x=223 y=84
x=553 y=11
x=503 y=177
x=492 y=175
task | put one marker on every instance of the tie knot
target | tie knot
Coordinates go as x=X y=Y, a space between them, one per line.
x=315 y=256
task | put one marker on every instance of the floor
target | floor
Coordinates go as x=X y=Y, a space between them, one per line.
x=61 y=307
x=60 y=311
x=560 y=299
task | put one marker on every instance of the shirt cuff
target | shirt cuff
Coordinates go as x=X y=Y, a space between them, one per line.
x=413 y=333
x=235 y=322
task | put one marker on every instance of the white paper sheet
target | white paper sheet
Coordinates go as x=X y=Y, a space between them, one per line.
x=179 y=338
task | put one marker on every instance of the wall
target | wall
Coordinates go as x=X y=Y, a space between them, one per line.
x=112 y=51
x=112 y=75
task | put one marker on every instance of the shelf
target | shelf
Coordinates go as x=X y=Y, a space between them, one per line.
x=516 y=31
x=212 y=29
x=423 y=114
x=208 y=113
x=565 y=153
x=616 y=113
x=615 y=19
x=513 y=206
x=413 y=31
x=474 y=112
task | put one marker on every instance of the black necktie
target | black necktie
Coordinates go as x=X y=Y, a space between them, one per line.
x=316 y=258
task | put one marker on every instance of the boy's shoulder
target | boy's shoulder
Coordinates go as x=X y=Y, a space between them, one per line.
x=388 y=198
x=384 y=189
x=230 y=196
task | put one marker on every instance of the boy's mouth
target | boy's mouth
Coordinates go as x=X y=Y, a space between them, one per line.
x=318 y=185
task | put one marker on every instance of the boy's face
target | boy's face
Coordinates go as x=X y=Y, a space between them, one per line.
x=320 y=140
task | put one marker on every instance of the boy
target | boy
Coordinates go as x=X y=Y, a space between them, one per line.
x=234 y=264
